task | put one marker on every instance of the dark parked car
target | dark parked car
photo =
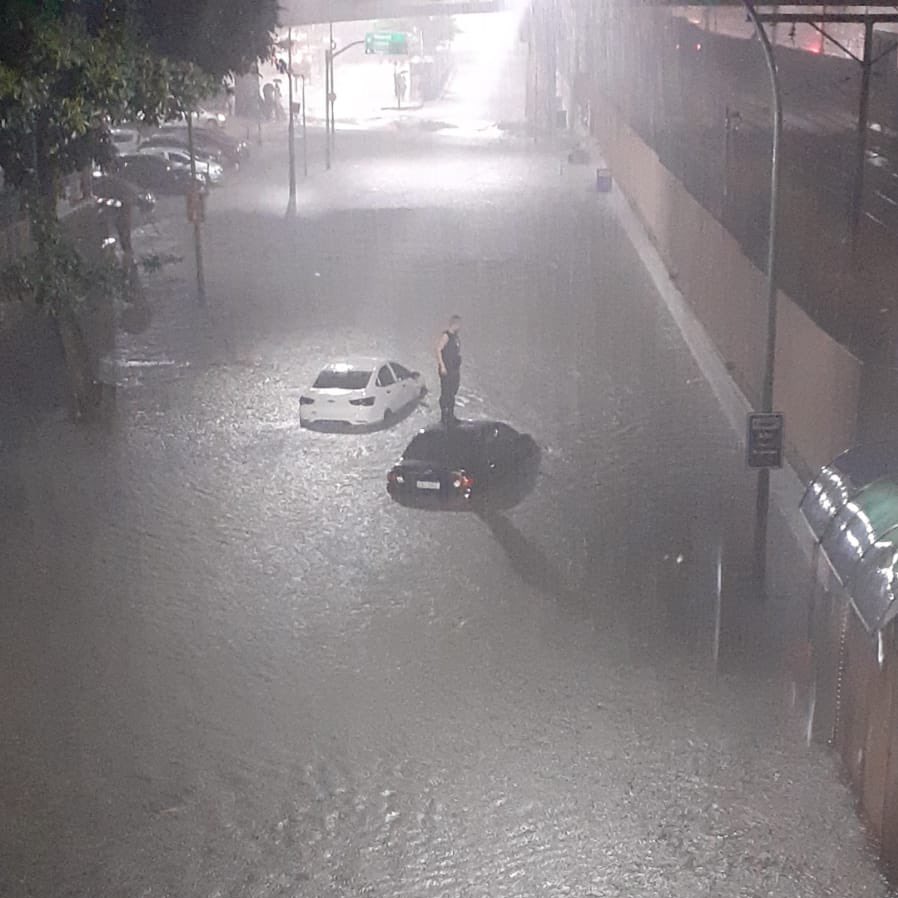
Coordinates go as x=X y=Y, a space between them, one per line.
x=174 y=141
x=233 y=151
x=156 y=174
x=464 y=465
x=112 y=187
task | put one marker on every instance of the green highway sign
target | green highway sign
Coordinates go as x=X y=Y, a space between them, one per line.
x=390 y=43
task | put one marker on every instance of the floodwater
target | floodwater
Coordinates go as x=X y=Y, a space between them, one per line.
x=232 y=667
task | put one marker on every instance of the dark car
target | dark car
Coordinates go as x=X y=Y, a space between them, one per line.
x=232 y=150
x=465 y=465
x=112 y=187
x=156 y=174
x=174 y=141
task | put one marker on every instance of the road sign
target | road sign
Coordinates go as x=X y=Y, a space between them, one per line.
x=389 y=43
x=765 y=440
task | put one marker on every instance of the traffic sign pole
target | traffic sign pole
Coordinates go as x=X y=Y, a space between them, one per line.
x=762 y=504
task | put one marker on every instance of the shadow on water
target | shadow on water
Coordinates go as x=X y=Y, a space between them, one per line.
x=530 y=562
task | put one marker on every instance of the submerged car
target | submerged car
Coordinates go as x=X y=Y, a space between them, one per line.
x=360 y=392
x=462 y=465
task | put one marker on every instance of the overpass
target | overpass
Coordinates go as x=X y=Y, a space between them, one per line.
x=312 y=12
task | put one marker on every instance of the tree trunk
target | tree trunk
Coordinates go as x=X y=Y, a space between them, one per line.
x=86 y=390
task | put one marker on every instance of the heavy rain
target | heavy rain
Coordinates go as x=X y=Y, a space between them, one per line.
x=232 y=665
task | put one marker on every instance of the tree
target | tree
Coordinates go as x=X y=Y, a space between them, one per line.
x=71 y=68
x=219 y=37
x=67 y=69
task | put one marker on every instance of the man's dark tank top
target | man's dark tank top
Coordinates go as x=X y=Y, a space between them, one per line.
x=452 y=351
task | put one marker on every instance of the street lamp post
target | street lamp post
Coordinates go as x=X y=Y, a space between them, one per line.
x=762 y=504
x=195 y=200
x=330 y=96
x=327 y=107
x=291 y=202
x=305 y=145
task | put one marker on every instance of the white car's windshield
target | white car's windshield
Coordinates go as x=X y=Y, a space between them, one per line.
x=342 y=379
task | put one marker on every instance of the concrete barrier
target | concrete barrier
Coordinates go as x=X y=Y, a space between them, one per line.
x=817 y=381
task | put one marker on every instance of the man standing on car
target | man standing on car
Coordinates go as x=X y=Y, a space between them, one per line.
x=449 y=367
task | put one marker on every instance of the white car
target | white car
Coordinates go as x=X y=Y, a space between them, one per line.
x=125 y=140
x=360 y=392
x=180 y=158
x=203 y=118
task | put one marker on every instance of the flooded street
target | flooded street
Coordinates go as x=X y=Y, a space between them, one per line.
x=232 y=667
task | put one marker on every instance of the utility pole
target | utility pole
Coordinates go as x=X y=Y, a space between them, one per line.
x=327 y=108
x=305 y=144
x=291 y=202
x=332 y=96
x=330 y=56
x=762 y=503
x=195 y=205
x=857 y=196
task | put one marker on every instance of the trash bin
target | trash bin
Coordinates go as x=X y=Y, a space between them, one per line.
x=603 y=180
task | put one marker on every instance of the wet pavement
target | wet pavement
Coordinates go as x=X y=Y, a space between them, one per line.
x=231 y=666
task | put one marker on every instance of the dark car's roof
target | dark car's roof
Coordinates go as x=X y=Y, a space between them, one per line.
x=450 y=445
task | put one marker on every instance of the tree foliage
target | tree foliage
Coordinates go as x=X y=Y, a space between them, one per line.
x=217 y=36
x=69 y=68
x=65 y=73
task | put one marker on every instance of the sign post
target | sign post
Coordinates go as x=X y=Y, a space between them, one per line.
x=764 y=445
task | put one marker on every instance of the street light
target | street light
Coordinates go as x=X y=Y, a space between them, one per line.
x=195 y=209
x=329 y=95
x=288 y=71
x=762 y=504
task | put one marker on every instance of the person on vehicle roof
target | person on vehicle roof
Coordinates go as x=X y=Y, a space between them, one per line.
x=449 y=368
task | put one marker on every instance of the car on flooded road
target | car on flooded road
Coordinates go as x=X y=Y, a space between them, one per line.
x=464 y=466
x=360 y=392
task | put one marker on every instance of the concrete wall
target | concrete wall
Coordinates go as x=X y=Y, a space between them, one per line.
x=817 y=380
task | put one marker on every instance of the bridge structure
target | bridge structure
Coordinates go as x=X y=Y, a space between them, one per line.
x=315 y=12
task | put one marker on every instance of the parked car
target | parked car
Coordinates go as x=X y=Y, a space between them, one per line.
x=113 y=187
x=124 y=139
x=178 y=158
x=156 y=174
x=170 y=141
x=231 y=149
x=202 y=118
x=360 y=392
x=210 y=118
x=464 y=465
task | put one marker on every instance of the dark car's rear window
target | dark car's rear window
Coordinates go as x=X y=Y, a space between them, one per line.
x=457 y=446
x=426 y=447
x=333 y=379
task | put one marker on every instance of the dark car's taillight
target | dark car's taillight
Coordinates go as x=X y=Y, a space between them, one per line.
x=368 y=400
x=462 y=481
x=395 y=478
x=306 y=400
